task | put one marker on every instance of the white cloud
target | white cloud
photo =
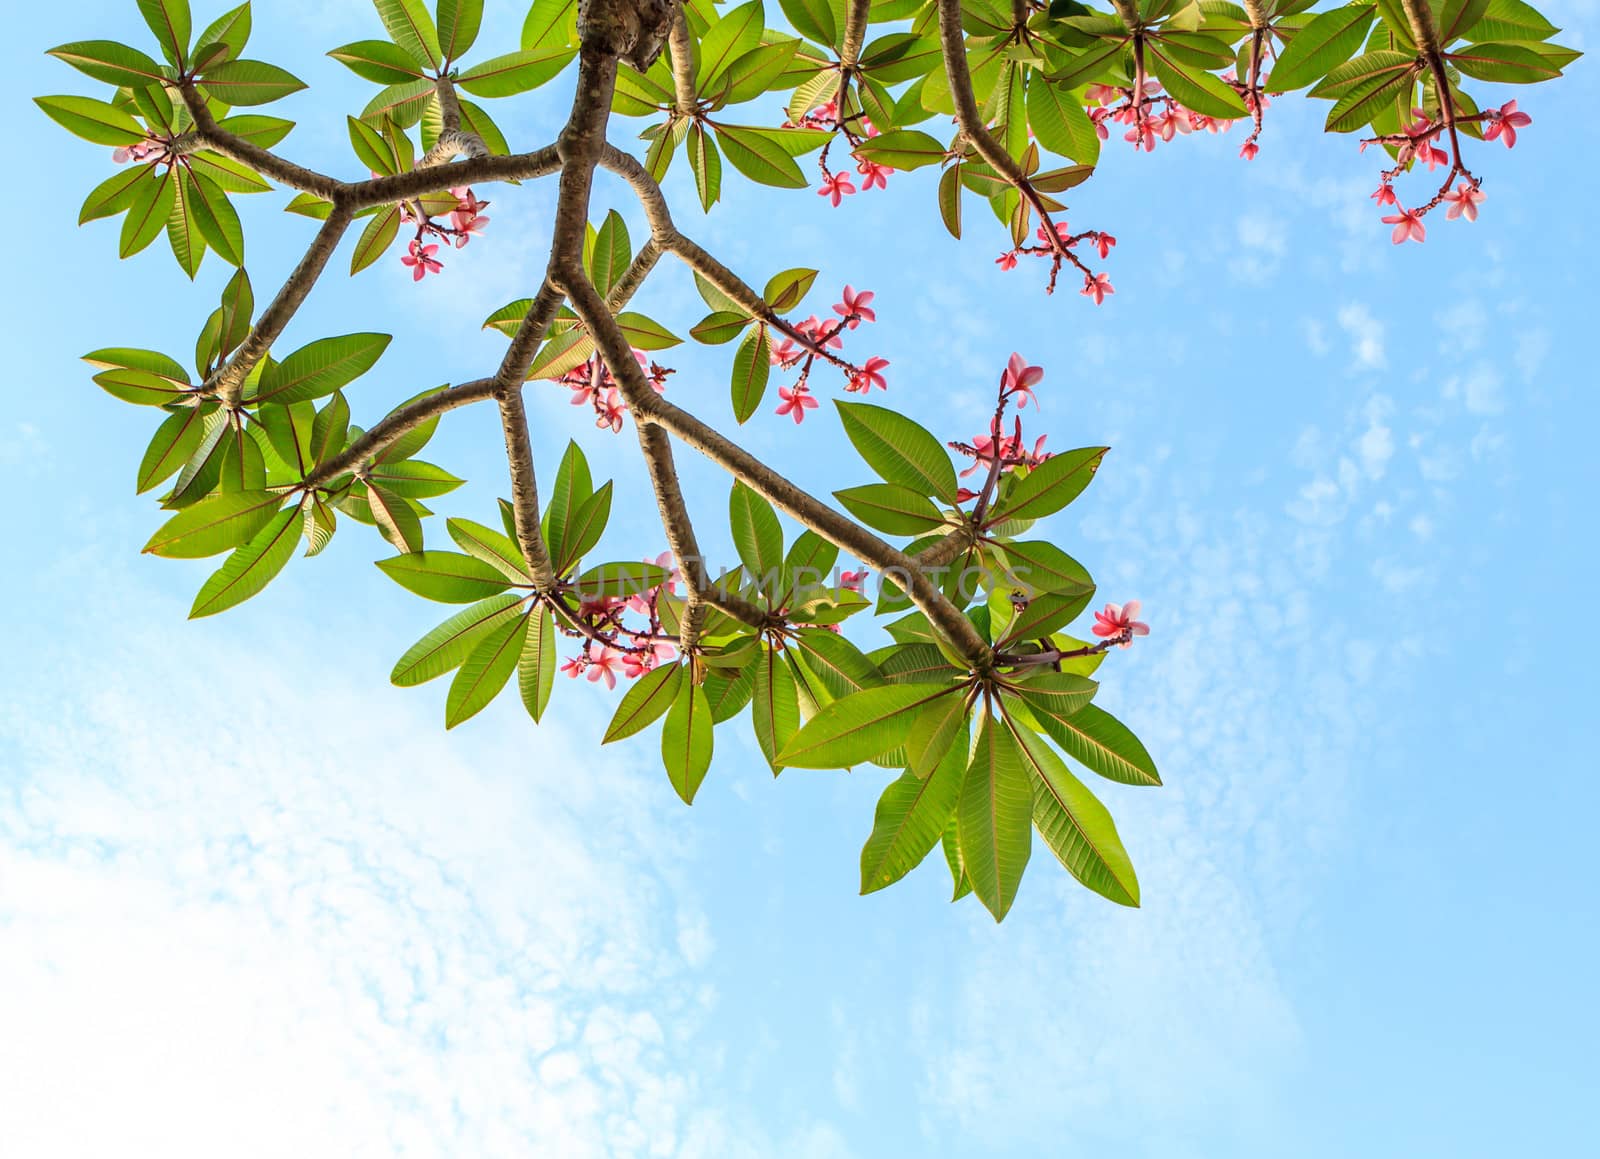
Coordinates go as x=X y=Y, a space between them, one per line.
x=1366 y=336
x=260 y=914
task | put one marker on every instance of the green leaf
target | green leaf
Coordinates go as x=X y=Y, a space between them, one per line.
x=446 y=646
x=952 y=856
x=1075 y=825
x=911 y=816
x=1331 y=38
x=736 y=33
x=642 y=705
x=707 y=166
x=404 y=104
x=836 y=662
x=1036 y=566
x=1059 y=122
x=169 y=20
x=330 y=429
x=140 y=387
x=1048 y=695
x=551 y=22
x=251 y=567
x=515 y=72
x=410 y=26
x=752 y=365
x=890 y=508
x=814 y=19
x=573 y=488
x=774 y=706
x=536 y=670
x=114 y=194
x=459 y=21
x=1512 y=20
x=177 y=438
x=620 y=580
x=106 y=60
x=859 y=727
x=147 y=214
x=414 y=479
x=1194 y=88
x=376 y=238
x=379 y=61
x=1100 y=742
x=717 y=328
x=645 y=333
x=397 y=518
x=1045 y=614
x=758 y=71
x=249 y=82
x=760 y=158
x=216 y=219
x=933 y=737
x=92 y=120
x=215 y=524
x=994 y=818
x=608 y=259
x=231 y=29
x=686 y=740
x=288 y=431
x=588 y=524
x=1053 y=484
x=809 y=562
x=902 y=149
x=899 y=450
x=727 y=692
x=446 y=576
x=321 y=367
x=784 y=291
x=758 y=537
x=485 y=671
x=1503 y=63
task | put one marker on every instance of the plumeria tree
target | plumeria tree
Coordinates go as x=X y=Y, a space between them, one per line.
x=977 y=693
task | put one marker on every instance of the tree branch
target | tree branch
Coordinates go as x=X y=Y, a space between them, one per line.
x=403 y=186
x=452 y=141
x=681 y=47
x=508 y=381
x=229 y=380
x=398 y=424
x=952 y=41
x=665 y=234
x=270 y=164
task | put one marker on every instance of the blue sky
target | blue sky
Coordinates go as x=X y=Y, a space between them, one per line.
x=255 y=901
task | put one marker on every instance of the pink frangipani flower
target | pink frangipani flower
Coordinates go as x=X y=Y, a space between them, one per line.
x=1464 y=200
x=855 y=308
x=1407 y=226
x=421 y=260
x=835 y=186
x=796 y=401
x=1504 y=123
x=1117 y=620
x=1098 y=286
x=1019 y=379
x=870 y=375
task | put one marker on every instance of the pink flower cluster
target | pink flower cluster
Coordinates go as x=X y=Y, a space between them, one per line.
x=466 y=222
x=611 y=646
x=836 y=186
x=139 y=151
x=1173 y=120
x=1418 y=143
x=591 y=385
x=814 y=338
x=1061 y=242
